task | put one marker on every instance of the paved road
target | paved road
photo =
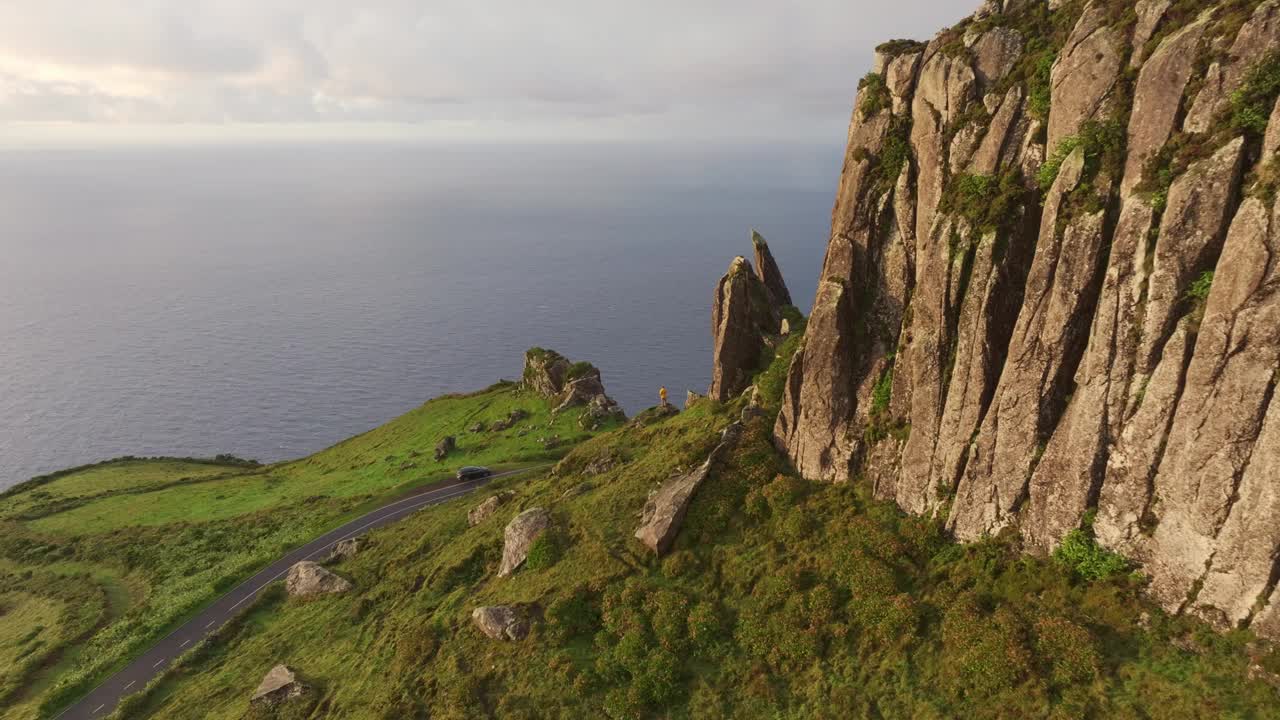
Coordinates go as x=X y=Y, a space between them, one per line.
x=104 y=698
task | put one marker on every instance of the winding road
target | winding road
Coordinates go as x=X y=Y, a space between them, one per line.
x=102 y=700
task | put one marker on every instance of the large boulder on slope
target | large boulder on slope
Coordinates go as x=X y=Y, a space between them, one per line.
x=665 y=510
x=519 y=536
x=307 y=579
x=501 y=622
x=280 y=685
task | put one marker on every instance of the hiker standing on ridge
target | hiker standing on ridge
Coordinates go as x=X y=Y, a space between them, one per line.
x=662 y=396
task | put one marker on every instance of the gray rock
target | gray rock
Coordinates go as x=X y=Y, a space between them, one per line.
x=665 y=509
x=446 y=445
x=1086 y=72
x=1149 y=12
x=308 y=579
x=501 y=622
x=280 y=685
x=481 y=512
x=519 y=536
x=346 y=549
x=1158 y=96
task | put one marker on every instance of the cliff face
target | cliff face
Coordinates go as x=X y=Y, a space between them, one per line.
x=1052 y=290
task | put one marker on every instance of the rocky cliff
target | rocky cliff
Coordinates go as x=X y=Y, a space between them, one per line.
x=1052 y=290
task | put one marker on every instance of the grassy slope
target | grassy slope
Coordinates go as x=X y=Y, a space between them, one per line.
x=136 y=545
x=782 y=598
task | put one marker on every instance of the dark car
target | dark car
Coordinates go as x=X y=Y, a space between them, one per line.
x=473 y=472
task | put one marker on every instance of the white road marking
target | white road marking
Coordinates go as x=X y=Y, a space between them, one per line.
x=131 y=684
x=185 y=643
x=95 y=710
x=357 y=531
x=158 y=663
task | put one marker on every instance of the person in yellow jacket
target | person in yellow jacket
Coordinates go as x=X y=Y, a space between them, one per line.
x=662 y=396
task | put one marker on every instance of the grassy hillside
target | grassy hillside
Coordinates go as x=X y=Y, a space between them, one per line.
x=97 y=562
x=781 y=599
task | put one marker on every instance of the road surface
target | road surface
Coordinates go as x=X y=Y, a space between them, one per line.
x=103 y=699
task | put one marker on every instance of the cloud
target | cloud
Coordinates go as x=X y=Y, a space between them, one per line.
x=745 y=67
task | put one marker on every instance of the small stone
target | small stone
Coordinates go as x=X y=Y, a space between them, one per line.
x=501 y=622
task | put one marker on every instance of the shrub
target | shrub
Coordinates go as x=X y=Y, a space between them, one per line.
x=883 y=391
x=982 y=654
x=1200 y=287
x=1068 y=650
x=1251 y=105
x=1040 y=86
x=1086 y=558
x=874 y=93
x=1103 y=144
x=545 y=551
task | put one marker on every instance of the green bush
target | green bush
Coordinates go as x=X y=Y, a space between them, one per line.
x=1040 y=86
x=1079 y=552
x=875 y=94
x=545 y=551
x=1103 y=145
x=1251 y=105
x=1200 y=287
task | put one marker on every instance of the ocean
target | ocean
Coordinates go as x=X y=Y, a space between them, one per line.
x=271 y=300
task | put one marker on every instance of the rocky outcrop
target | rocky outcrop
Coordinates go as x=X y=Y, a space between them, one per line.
x=568 y=385
x=501 y=622
x=519 y=536
x=1066 y=302
x=742 y=317
x=769 y=273
x=665 y=510
x=280 y=685
x=481 y=512
x=308 y=579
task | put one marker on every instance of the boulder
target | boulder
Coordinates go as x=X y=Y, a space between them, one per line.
x=280 y=685
x=346 y=549
x=654 y=414
x=446 y=445
x=665 y=509
x=482 y=511
x=307 y=579
x=476 y=428
x=769 y=273
x=519 y=536
x=600 y=410
x=501 y=622
x=692 y=398
x=741 y=318
x=510 y=420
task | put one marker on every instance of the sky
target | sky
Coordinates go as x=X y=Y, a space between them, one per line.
x=190 y=70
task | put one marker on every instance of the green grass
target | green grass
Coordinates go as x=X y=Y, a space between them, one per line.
x=153 y=541
x=781 y=599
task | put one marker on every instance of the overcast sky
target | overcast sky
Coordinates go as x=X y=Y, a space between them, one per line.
x=488 y=69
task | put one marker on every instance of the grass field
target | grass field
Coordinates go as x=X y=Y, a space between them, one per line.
x=781 y=599
x=147 y=542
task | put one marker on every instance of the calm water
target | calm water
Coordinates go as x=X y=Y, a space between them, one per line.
x=270 y=301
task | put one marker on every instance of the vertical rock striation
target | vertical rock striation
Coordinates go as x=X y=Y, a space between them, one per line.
x=1052 y=291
